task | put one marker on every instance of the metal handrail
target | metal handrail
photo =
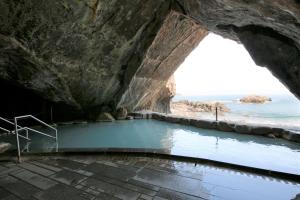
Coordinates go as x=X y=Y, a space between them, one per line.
x=17 y=129
x=3 y=129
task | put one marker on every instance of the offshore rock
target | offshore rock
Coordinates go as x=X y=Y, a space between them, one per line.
x=255 y=99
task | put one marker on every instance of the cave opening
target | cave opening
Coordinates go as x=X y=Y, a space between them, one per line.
x=222 y=71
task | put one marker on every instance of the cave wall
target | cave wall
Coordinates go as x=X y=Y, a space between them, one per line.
x=89 y=56
x=177 y=37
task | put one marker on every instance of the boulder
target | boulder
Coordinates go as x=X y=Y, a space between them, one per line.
x=4 y=147
x=224 y=126
x=242 y=129
x=203 y=124
x=261 y=130
x=121 y=113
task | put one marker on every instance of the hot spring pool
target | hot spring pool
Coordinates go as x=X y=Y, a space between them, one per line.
x=175 y=139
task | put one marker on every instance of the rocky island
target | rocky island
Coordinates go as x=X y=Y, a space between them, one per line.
x=255 y=99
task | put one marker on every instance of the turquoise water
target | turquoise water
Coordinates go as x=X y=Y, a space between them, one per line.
x=282 y=110
x=255 y=151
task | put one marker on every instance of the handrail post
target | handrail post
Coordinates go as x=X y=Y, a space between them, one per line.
x=17 y=140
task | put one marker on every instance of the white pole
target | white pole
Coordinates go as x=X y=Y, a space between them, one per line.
x=17 y=139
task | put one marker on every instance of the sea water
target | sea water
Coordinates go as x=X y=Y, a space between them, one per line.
x=283 y=110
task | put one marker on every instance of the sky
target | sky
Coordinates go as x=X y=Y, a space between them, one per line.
x=221 y=66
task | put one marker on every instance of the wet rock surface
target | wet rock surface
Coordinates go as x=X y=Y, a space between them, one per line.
x=84 y=177
x=81 y=56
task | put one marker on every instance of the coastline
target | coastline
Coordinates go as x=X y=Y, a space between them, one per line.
x=283 y=111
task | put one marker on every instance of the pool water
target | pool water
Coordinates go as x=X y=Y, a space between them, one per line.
x=176 y=139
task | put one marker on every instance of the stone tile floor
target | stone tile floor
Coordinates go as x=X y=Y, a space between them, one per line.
x=142 y=178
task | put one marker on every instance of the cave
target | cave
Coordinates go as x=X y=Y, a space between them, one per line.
x=81 y=58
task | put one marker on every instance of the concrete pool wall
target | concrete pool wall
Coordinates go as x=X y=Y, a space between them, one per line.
x=267 y=131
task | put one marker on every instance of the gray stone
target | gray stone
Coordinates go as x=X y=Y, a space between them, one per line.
x=121 y=113
x=68 y=177
x=49 y=167
x=295 y=137
x=4 y=147
x=129 y=117
x=245 y=129
x=35 y=179
x=203 y=124
x=278 y=132
x=111 y=172
x=111 y=189
x=61 y=192
x=261 y=130
x=36 y=169
x=65 y=163
x=133 y=187
x=174 y=182
x=20 y=189
x=224 y=126
x=172 y=119
x=184 y=121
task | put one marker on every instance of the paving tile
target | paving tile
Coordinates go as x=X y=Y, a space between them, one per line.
x=69 y=165
x=159 y=198
x=144 y=185
x=68 y=177
x=145 y=197
x=18 y=188
x=100 y=195
x=111 y=189
x=170 y=194
x=35 y=179
x=63 y=192
x=49 y=167
x=111 y=172
x=126 y=185
x=36 y=169
x=64 y=163
x=174 y=182
x=8 y=171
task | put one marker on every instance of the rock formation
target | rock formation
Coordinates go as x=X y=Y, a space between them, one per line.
x=193 y=108
x=255 y=99
x=83 y=58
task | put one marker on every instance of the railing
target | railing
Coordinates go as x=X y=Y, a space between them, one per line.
x=13 y=132
x=18 y=128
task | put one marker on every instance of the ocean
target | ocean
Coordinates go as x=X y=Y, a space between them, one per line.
x=282 y=111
